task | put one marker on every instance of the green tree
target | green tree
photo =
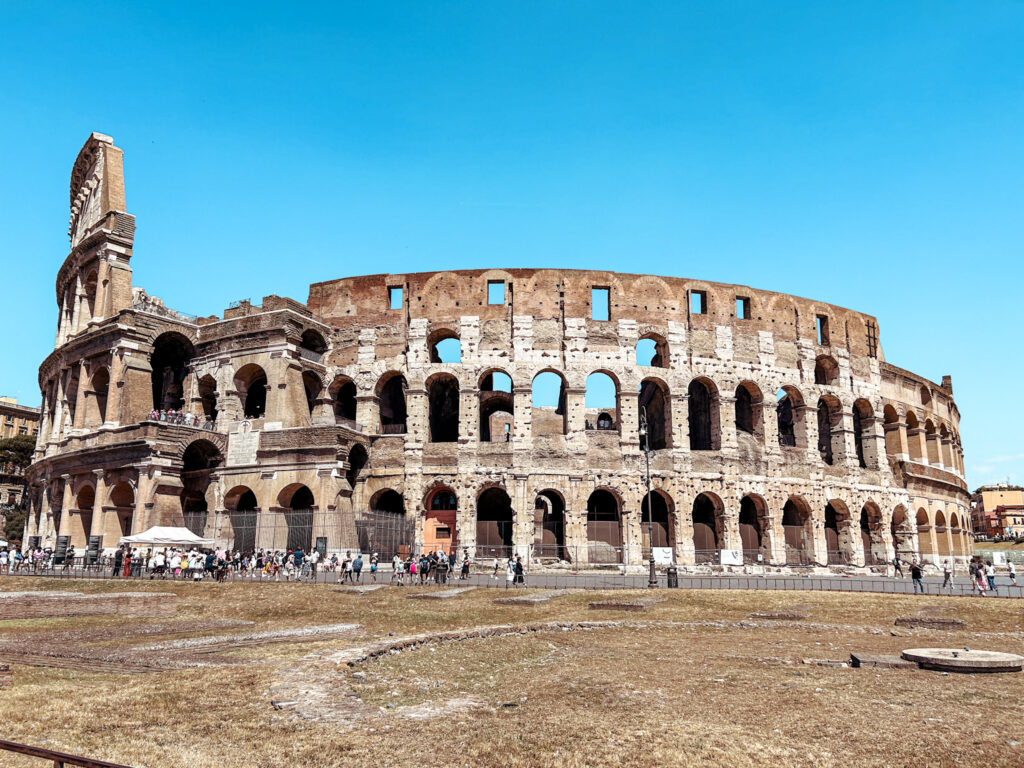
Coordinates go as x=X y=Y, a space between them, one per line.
x=15 y=525
x=17 y=450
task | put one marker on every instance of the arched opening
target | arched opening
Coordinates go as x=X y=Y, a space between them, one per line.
x=357 y=458
x=391 y=398
x=913 y=437
x=440 y=531
x=549 y=523
x=654 y=401
x=796 y=521
x=891 y=426
x=494 y=521
x=604 y=528
x=497 y=407
x=828 y=420
x=312 y=346
x=241 y=505
x=657 y=523
x=826 y=370
x=299 y=505
x=862 y=420
x=707 y=542
x=703 y=413
x=312 y=386
x=122 y=499
x=926 y=395
x=955 y=533
x=788 y=410
x=445 y=347
x=251 y=385
x=199 y=460
x=547 y=400
x=101 y=388
x=171 y=356
x=945 y=452
x=90 y=297
x=932 y=443
x=208 y=397
x=836 y=523
x=443 y=408
x=902 y=533
x=752 y=532
x=924 y=533
x=652 y=351
x=748 y=411
x=870 y=535
x=343 y=399
x=941 y=534
x=601 y=398
x=385 y=529
x=82 y=522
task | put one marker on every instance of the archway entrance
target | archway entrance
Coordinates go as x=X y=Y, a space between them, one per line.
x=440 y=531
x=657 y=524
x=494 y=524
x=604 y=528
x=706 y=542
x=795 y=519
x=834 y=517
x=242 y=507
x=549 y=523
x=299 y=519
x=751 y=532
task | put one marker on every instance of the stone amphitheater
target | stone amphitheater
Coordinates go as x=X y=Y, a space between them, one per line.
x=486 y=411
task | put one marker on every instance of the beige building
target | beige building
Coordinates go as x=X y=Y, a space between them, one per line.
x=989 y=505
x=15 y=420
x=497 y=411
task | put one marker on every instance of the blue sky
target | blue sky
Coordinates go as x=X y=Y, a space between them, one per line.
x=867 y=154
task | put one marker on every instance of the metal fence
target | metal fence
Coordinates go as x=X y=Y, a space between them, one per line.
x=59 y=759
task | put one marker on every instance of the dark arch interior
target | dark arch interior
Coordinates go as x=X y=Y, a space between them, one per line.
x=832 y=519
x=345 y=401
x=443 y=404
x=392 y=406
x=604 y=528
x=313 y=341
x=254 y=386
x=744 y=410
x=750 y=530
x=443 y=500
x=655 y=404
x=786 y=423
x=657 y=528
x=101 y=386
x=171 y=355
x=705 y=533
x=793 y=519
x=496 y=408
x=389 y=501
x=357 y=458
x=208 y=395
x=494 y=523
x=302 y=499
x=550 y=526
x=825 y=432
x=699 y=406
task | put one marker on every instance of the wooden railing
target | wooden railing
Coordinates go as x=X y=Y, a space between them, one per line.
x=60 y=759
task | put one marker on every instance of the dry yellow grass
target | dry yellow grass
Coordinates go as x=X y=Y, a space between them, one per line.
x=658 y=695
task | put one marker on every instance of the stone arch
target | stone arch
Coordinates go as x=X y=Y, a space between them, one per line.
x=789 y=411
x=829 y=421
x=654 y=400
x=891 y=426
x=941 y=534
x=871 y=541
x=826 y=370
x=207 y=390
x=313 y=344
x=312 y=385
x=549 y=414
x=902 y=532
x=704 y=417
x=343 y=393
x=604 y=526
x=497 y=406
x=549 y=525
x=242 y=509
x=798 y=531
x=100 y=392
x=657 y=521
x=198 y=460
x=445 y=346
x=172 y=354
x=708 y=527
x=495 y=522
x=652 y=350
x=755 y=532
x=838 y=546
x=390 y=392
x=89 y=286
x=81 y=521
x=925 y=533
x=863 y=418
x=296 y=496
x=357 y=460
x=598 y=398
x=442 y=408
x=748 y=410
x=931 y=442
x=914 y=437
x=122 y=499
x=253 y=388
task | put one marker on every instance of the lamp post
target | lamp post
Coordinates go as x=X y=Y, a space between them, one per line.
x=652 y=580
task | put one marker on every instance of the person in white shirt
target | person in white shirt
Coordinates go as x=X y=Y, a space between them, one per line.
x=1011 y=571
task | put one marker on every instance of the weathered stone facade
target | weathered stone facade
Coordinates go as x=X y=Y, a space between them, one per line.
x=777 y=430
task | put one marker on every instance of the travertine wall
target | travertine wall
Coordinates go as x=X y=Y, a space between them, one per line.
x=315 y=379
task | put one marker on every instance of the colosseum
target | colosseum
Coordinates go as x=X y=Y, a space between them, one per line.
x=489 y=411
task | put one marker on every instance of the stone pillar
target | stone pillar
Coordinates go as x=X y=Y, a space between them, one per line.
x=685 y=550
x=727 y=420
x=843 y=446
x=522 y=511
x=575 y=403
x=629 y=420
x=368 y=413
x=81 y=405
x=522 y=427
x=680 y=421
x=417 y=420
x=805 y=427
x=576 y=521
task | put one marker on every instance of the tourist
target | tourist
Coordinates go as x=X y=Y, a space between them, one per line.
x=346 y=568
x=357 y=566
x=465 y=565
x=979 y=580
x=496 y=564
x=510 y=572
x=990 y=576
x=127 y=564
x=520 y=577
x=374 y=559
x=916 y=574
x=3 y=560
x=397 y=570
x=1011 y=571
x=947 y=576
x=897 y=568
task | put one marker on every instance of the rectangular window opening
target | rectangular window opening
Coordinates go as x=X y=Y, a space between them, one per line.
x=395 y=298
x=823 y=330
x=742 y=308
x=872 y=340
x=495 y=292
x=698 y=302
x=599 y=303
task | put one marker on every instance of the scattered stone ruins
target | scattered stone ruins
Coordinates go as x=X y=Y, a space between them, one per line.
x=463 y=410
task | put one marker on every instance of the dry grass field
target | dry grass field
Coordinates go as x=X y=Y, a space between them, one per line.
x=691 y=681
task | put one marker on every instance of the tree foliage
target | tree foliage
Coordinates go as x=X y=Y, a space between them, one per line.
x=17 y=450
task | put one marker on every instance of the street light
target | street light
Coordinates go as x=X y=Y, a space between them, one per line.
x=652 y=580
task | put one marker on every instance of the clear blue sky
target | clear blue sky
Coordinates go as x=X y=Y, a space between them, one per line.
x=866 y=154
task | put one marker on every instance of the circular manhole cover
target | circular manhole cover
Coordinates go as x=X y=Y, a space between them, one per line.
x=964 y=660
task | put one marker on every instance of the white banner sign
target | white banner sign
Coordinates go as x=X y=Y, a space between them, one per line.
x=732 y=557
x=663 y=555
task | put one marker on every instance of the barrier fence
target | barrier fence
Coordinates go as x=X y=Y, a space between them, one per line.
x=59 y=759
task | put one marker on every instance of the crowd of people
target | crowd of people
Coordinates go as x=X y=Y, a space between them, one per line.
x=183 y=419
x=982 y=574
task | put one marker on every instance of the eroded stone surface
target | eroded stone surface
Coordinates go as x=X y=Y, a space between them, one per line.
x=964 y=659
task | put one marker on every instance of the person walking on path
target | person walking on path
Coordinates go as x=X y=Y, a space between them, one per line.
x=990 y=576
x=465 y=565
x=1011 y=571
x=357 y=566
x=979 y=580
x=495 y=574
x=947 y=576
x=915 y=574
x=520 y=572
x=510 y=572
x=373 y=567
x=897 y=568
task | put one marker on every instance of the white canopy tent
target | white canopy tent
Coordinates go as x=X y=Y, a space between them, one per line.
x=160 y=536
